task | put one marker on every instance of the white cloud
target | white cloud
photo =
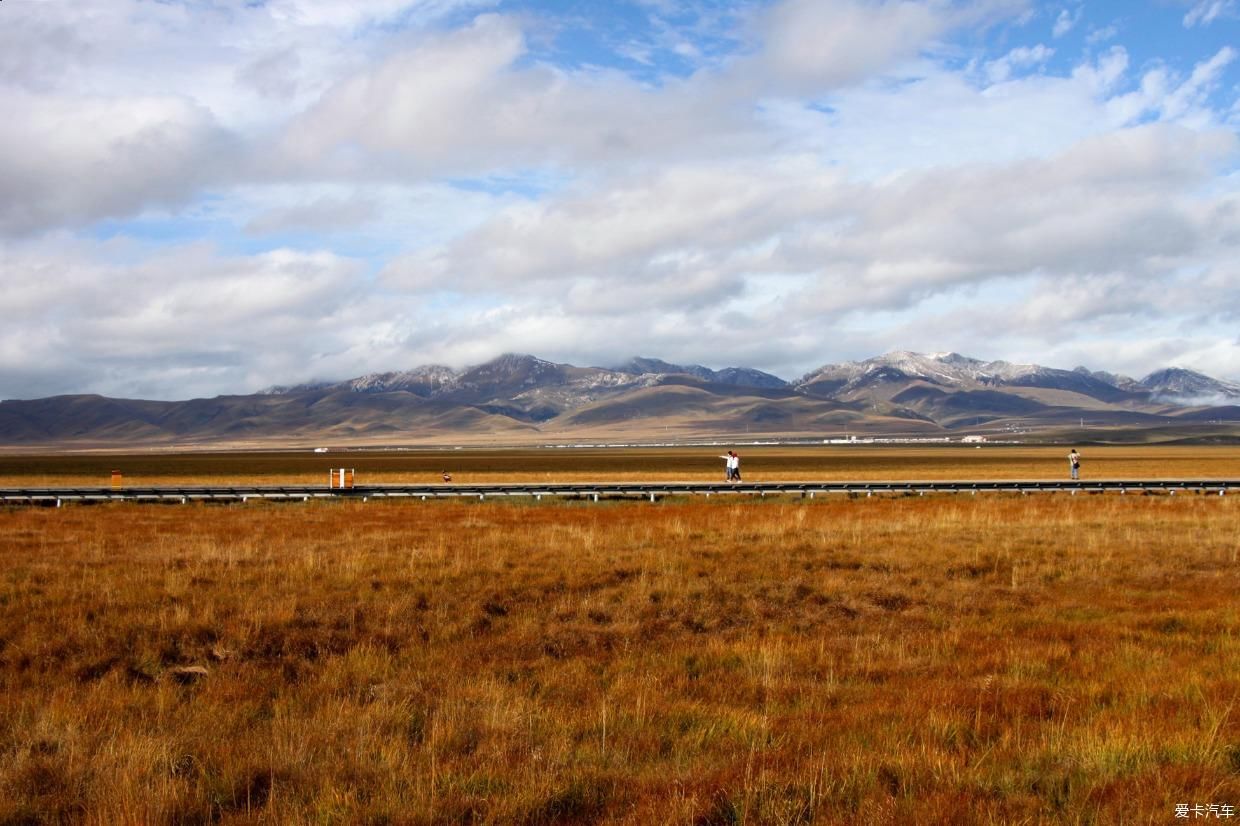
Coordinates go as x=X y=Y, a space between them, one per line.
x=375 y=215
x=1023 y=57
x=951 y=118
x=491 y=107
x=1066 y=21
x=1102 y=35
x=36 y=51
x=809 y=46
x=487 y=110
x=351 y=15
x=323 y=214
x=1119 y=216
x=380 y=185
x=1205 y=12
x=75 y=161
x=1122 y=202
x=629 y=229
x=143 y=310
x=275 y=75
x=1162 y=93
x=123 y=106
x=1190 y=97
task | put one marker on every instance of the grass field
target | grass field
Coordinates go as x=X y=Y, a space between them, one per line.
x=924 y=660
x=760 y=463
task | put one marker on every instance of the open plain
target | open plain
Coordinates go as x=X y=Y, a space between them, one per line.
x=769 y=463
x=991 y=659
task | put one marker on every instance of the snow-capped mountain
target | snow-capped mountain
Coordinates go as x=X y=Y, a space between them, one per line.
x=421 y=381
x=1118 y=380
x=517 y=382
x=739 y=376
x=528 y=387
x=517 y=373
x=952 y=371
x=1181 y=386
x=522 y=397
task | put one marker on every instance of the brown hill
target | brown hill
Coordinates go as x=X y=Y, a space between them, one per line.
x=521 y=399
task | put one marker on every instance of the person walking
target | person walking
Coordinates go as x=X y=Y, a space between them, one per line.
x=1074 y=464
x=728 y=465
x=736 y=466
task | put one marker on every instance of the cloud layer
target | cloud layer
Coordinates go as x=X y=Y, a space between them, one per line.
x=213 y=199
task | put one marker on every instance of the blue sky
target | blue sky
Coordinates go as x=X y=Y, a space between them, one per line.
x=215 y=197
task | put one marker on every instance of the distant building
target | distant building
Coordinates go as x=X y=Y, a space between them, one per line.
x=973 y=439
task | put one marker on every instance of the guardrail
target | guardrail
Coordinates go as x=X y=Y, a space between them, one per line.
x=55 y=497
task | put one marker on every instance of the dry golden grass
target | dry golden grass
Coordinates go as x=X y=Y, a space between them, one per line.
x=995 y=659
x=760 y=463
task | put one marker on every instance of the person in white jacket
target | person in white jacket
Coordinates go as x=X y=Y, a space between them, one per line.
x=727 y=465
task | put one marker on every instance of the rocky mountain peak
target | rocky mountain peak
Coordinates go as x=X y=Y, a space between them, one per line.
x=738 y=376
x=1188 y=386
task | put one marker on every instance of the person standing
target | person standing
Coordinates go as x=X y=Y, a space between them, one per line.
x=727 y=466
x=1074 y=464
x=736 y=466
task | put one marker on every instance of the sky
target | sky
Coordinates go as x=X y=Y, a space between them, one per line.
x=202 y=197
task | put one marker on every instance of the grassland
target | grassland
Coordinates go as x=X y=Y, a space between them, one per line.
x=923 y=660
x=760 y=463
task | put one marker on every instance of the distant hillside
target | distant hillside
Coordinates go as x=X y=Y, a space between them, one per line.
x=519 y=398
x=1189 y=387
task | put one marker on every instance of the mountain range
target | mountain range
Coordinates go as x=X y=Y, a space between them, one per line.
x=520 y=398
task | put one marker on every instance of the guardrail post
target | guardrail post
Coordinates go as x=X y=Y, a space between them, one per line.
x=652 y=496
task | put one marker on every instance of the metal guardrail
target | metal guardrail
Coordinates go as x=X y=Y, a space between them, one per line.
x=58 y=496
